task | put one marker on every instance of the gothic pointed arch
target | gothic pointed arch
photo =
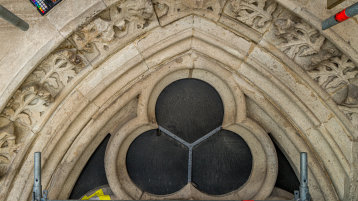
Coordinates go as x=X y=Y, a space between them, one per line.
x=274 y=71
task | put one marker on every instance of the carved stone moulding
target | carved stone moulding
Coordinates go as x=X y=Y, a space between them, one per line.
x=168 y=11
x=113 y=30
x=134 y=71
x=333 y=71
x=256 y=14
x=86 y=46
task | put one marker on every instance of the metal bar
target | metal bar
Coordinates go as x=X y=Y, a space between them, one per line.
x=189 y=145
x=37 y=189
x=206 y=136
x=341 y=16
x=352 y=10
x=304 y=193
x=174 y=136
x=296 y=196
x=13 y=19
x=190 y=164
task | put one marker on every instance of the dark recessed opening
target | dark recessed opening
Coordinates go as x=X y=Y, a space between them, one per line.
x=93 y=174
x=222 y=163
x=190 y=108
x=157 y=164
x=286 y=179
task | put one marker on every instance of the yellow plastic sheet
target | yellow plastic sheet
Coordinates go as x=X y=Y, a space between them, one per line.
x=99 y=194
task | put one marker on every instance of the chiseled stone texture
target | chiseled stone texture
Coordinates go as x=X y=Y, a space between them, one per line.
x=90 y=67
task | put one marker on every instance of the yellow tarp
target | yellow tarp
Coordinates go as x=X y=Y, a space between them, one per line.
x=99 y=194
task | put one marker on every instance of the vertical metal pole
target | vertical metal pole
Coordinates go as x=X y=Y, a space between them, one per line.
x=304 y=193
x=37 y=190
x=296 y=196
x=13 y=19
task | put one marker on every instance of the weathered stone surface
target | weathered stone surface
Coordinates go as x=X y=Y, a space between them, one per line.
x=257 y=14
x=169 y=11
x=113 y=28
x=109 y=55
x=8 y=145
x=78 y=13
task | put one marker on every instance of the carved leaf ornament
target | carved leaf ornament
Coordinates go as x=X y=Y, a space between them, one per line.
x=255 y=13
x=299 y=39
x=124 y=17
x=339 y=77
x=59 y=69
x=334 y=72
x=27 y=105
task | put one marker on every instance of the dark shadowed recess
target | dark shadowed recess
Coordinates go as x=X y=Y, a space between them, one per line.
x=286 y=179
x=157 y=164
x=222 y=163
x=93 y=174
x=189 y=108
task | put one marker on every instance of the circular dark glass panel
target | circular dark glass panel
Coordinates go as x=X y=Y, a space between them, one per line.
x=221 y=164
x=189 y=108
x=157 y=164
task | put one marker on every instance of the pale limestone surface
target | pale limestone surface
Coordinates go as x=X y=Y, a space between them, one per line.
x=100 y=67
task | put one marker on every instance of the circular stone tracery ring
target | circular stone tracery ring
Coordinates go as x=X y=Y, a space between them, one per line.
x=134 y=151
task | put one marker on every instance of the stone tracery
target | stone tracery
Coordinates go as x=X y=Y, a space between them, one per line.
x=332 y=70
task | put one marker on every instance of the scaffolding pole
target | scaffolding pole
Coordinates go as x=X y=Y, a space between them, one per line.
x=341 y=16
x=13 y=19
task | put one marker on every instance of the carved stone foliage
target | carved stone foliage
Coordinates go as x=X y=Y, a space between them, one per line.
x=8 y=146
x=339 y=77
x=300 y=39
x=128 y=19
x=32 y=99
x=117 y=22
x=30 y=102
x=57 y=70
x=255 y=13
x=28 y=105
x=332 y=70
x=169 y=10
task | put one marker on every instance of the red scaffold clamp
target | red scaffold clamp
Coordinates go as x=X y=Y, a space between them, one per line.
x=341 y=16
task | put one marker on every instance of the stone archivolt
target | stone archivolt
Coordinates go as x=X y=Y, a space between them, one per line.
x=331 y=69
x=112 y=25
x=124 y=22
